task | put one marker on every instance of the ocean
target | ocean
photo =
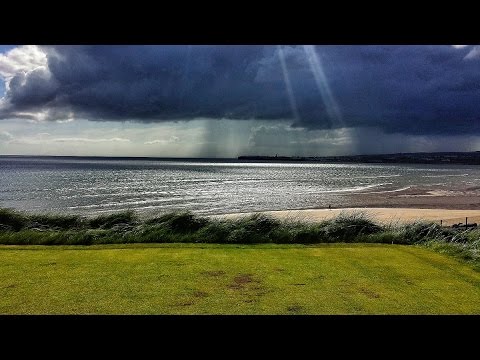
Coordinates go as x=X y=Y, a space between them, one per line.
x=84 y=185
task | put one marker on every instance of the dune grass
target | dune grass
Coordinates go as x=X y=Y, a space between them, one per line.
x=235 y=279
x=127 y=227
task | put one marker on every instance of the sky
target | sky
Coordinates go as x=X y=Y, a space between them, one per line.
x=231 y=100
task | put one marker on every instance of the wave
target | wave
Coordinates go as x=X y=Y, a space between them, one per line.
x=356 y=188
x=441 y=176
x=366 y=177
x=389 y=191
x=127 y=203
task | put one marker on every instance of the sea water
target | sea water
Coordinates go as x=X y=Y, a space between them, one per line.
x=99 y=185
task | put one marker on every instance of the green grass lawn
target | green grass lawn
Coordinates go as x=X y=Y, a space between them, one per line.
x=235 y=279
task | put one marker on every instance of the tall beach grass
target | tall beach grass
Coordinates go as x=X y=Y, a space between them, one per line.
x=17 y=228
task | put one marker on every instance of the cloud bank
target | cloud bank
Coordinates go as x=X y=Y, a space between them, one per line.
x=398 y=89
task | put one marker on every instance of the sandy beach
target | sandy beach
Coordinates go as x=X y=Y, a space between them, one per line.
x=448 y=204
x=383 y=215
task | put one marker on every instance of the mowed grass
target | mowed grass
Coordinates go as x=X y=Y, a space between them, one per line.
x=235 y=279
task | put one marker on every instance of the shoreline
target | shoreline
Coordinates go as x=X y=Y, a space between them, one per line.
x=385 y=215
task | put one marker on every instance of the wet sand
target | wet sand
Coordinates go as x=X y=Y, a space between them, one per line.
x=450 y=205
x=415 y=203
x=438 y=197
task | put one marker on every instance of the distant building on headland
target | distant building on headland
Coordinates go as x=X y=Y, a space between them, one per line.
x=467 y=158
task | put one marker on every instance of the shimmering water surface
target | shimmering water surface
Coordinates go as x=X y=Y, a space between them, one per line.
x=93 y=185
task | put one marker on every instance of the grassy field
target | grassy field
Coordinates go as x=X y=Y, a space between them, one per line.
x=235 y=279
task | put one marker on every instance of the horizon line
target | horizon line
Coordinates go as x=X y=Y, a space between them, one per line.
x=236 y=158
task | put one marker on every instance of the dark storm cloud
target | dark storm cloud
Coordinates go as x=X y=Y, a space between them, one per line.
x=405 y=89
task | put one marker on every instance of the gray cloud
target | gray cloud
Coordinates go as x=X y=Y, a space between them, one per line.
x=89 y=140
x=172 y=139
x=21 y=59
x=6 y=136
x=399 y=89
x=269 y=140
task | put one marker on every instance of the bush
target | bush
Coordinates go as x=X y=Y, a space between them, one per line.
x=126 y=227
x=384 y=237
x=347 y=227
x=214 y=232
x=12 y=220
x=64 y=222
x=258 y=223
x=309 y=234
x=109 y=221
x=183 y=222
x=422 y=231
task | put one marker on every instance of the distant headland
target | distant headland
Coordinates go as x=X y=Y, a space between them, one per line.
x=467 y=158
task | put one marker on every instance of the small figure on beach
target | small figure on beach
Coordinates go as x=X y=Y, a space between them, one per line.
x=329 y=207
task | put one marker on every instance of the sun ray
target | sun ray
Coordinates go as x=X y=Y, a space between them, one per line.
x=329 y=101
x=288 y=84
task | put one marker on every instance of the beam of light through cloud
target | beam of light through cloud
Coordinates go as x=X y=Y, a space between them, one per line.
x=473 y=54
x=288 y=84
x=220 y=138
x=322 y=84
x=474 y=51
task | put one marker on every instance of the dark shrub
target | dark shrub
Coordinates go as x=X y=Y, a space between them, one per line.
x=214 y=232
x=310 y=234
x=183 y=222
x=108 y=221
x=12 y=220
x=282 y=235
x=252 y=229
x=64 y=222
x=421 y=231
x=347 y=227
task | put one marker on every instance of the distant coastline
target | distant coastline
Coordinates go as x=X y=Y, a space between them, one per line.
x=464 y=158
x=98 y=157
